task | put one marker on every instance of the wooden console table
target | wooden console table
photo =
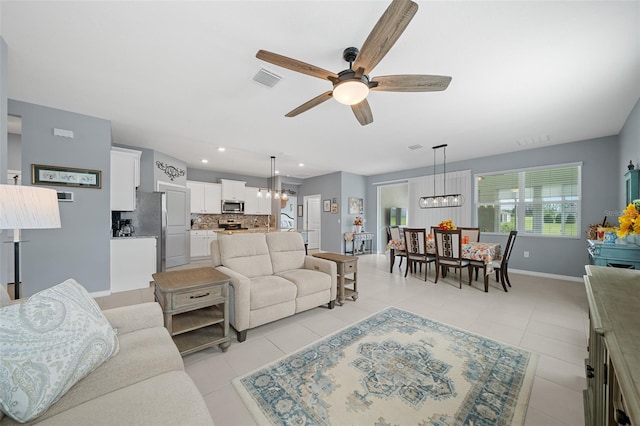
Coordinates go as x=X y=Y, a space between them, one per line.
x=360 y=242
x=346 y=265
x=195 y=303
x=613 y=367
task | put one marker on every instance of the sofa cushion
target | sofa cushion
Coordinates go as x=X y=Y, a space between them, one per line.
x=287 y=250
x=307 y=281
x=247 y=254
x=47 y=344
x=167 y=399
x=271 y=290
x=143 y=354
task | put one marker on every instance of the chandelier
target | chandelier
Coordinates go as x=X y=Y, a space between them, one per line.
x=438 y=201
x=272 y=192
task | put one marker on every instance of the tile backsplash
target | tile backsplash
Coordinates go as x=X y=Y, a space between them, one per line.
x=210 y=221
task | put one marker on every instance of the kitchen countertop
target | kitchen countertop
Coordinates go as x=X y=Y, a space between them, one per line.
x=133 y=237
x=257 y=230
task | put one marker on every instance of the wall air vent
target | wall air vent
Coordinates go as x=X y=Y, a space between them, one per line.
x=416 y=146
x=266 y=78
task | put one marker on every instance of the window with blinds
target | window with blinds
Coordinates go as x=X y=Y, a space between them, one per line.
x=538 y=201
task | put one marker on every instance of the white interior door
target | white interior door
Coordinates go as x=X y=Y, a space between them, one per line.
x=312 y=220
x=178 y=208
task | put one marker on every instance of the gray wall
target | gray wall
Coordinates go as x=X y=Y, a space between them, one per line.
x=200 y=175
x=14 y=152
x=4 y=83
x=629 y=145
x=600 y=183
x=80 y=248
x=328 y=187
x=354 y=186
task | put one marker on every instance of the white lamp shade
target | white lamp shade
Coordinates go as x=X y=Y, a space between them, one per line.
x=28 y=207
x=350 y=92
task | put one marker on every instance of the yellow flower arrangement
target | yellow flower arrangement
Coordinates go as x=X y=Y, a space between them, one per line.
x=357 y=221
x=630 y=220
x=446 y=225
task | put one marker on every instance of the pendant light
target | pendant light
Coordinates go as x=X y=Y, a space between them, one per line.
x=439 y=201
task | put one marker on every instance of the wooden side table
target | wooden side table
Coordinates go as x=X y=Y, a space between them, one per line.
x=346 y=265
x=195 y=303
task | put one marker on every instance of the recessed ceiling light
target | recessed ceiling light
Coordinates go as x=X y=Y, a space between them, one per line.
x=221 y=149
x=204 y=160
x=277 y=172
x=300 y=164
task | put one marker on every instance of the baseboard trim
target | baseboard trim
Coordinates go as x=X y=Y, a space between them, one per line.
x=546 y=275
x=103 y=293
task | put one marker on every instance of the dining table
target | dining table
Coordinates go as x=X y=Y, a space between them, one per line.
x=478 y=251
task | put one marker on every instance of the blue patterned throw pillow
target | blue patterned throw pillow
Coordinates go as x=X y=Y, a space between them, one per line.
x=47 y=344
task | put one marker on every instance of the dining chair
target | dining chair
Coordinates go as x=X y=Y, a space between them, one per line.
x=396 y=235
x=449 y=252
x=501 y=266
x=415 y=241
x=474 y=237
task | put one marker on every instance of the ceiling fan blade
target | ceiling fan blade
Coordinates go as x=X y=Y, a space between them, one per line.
x=411 y=83
x=310 y=104
x=363 y=112
x=295 y=65
x=385 y=33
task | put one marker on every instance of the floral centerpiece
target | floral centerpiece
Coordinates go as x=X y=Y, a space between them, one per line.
x=446 y=225
x=630 y=219
x=357 y=221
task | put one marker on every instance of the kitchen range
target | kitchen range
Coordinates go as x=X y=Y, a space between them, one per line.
x=231 y=225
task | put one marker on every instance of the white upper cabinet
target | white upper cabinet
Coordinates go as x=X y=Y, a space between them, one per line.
x=233 y=190
x=125 y=178
x=254 y=204
x=205 y=197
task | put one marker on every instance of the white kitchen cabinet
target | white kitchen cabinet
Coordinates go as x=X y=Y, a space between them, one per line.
x=233 y=190
x=201 y=242
x=251 y=200
x=125 y=178
x=133 y=262
x=254 y=204
x=205 y=197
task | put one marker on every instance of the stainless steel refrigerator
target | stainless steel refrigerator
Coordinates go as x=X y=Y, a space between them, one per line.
x=150 y=219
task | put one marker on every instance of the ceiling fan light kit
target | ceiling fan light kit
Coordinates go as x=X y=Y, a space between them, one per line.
x=438 y=201
x=351 y=92
x=352 y=86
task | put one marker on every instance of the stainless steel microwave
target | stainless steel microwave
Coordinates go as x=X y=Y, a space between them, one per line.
x=233 y=206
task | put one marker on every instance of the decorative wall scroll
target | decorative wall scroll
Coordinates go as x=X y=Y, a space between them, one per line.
x=169 y=170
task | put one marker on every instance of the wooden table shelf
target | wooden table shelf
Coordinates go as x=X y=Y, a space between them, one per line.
x=189 y=321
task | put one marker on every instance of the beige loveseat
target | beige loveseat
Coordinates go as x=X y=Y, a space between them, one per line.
x=143 y=384
x=271 y=277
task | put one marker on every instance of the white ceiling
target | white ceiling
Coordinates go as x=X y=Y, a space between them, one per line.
x=177 y=77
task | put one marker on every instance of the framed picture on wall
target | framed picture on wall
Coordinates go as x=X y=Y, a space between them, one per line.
x=356 y=206
x=326 y=206
x=67 y=176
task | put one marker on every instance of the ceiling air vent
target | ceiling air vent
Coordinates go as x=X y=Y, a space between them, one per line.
x=416 y=146
x=266 y=78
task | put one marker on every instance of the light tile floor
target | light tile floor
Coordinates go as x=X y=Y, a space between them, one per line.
x=543 y=315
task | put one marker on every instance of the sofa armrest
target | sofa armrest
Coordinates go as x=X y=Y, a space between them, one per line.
x=326 y=266
x=240 y=309
x=127 y=319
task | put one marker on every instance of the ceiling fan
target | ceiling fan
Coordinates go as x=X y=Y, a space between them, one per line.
x=351 y=86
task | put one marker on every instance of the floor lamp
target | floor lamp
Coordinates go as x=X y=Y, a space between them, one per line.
x=26 y=207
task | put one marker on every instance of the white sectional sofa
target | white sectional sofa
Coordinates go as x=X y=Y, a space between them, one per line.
x=271 y=277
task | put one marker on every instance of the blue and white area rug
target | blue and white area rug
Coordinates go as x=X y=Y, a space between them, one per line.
x=394 y=368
